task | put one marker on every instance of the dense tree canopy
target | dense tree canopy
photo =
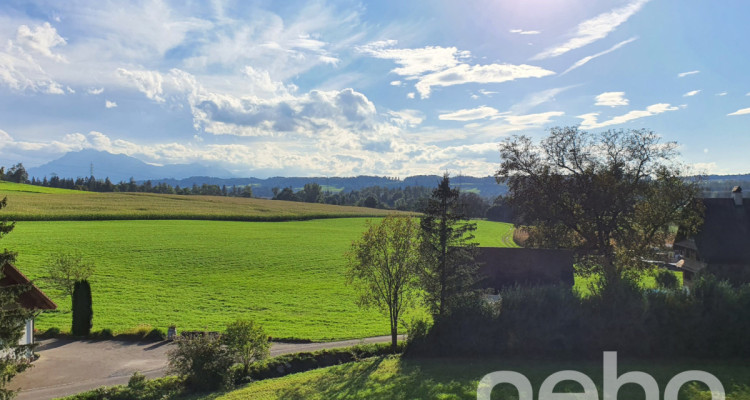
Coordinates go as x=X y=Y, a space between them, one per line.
x=614 y=196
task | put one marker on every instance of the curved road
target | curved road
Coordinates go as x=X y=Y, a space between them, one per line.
x=67 y=367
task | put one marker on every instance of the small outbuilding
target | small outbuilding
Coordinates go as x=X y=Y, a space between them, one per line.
x=32 y=299
x=504 y=267
x=722 y=244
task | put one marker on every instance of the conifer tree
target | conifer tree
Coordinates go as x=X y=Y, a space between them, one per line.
x=83 y=312
x=449 y=269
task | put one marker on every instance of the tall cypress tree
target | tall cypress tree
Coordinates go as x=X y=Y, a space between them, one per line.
x=83 y=312
x=449 y=268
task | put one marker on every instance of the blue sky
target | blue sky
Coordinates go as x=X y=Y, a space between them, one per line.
x=381 y=88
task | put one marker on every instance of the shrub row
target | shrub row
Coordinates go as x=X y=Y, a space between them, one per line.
x=138 y=387
x=711 y=320
x=172 y=387
x=144 y=333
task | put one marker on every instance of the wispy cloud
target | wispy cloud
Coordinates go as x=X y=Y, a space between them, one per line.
x=594 y=29
x=95 y=91
x=435 y=66
x=470 y=114
x=743 y=111
x=110 y=104
x=691 y=93
x=524 y=32
x=407 y=117
x=590 y=121
x=721 y=94
x=611 y=99
x=491 y=73
x=684 y=74
x=585 y=60
x=537 y=98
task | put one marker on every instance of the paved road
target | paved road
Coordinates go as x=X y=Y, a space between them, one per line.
x=67 y=367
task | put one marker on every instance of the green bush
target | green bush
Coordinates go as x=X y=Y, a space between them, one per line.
x=666 y=279
x=167 y=388
x=203 y=361
x=711 y=320
x=246 y=341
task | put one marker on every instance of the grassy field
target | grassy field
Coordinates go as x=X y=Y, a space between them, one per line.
x=204 y=274
x=394 y=378
x=35 y=203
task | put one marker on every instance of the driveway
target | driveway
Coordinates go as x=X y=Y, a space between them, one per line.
x=67 y=367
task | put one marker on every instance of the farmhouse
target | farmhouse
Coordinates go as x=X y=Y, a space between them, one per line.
x=32 y=299
x=503 y=267
x=723 y=243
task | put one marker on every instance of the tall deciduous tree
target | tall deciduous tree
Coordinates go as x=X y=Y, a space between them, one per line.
x=448 y=250
x=612 y=196
x=384 y=264
x=12 y=322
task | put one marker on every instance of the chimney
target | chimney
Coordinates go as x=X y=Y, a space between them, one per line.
x=737 y=195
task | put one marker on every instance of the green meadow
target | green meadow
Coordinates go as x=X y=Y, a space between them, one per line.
x=440 y=378
x=35 y=203
x=201 y=275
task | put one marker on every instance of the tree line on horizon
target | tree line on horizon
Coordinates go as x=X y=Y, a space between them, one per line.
x=410 y=198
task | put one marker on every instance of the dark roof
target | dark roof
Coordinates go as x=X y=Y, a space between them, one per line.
x=725 y=235
x=502 y=267
x=33 y=299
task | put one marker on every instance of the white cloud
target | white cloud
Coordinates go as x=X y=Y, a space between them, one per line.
x=147 y=82
x=594 y=29
x=691 y=93
x=531 y=120
x=611 y=99
x=415 y=61
x=684 y=74
x=470 y=114
x=95 y=91
x=20 y=70
x=721 y=94
x=743 y=111
x=590 y=121
x=491 y=73
x=407 y=118
x=396 y=83
x=110 y=104
x=487 y=93
x=524 y=32
x=42 y=39
x=410 y=95
x=585 y=60
x=434 y=66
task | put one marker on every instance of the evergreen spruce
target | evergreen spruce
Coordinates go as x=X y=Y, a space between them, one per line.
x=449 y=269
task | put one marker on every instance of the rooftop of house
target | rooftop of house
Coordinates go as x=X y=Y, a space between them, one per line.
x=32 y=299
x=725 y=234
x=502 y=267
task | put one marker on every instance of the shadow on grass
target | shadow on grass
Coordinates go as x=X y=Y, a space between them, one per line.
x=381 y=378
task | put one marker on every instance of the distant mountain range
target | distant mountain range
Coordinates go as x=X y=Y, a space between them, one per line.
x=119 y=167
